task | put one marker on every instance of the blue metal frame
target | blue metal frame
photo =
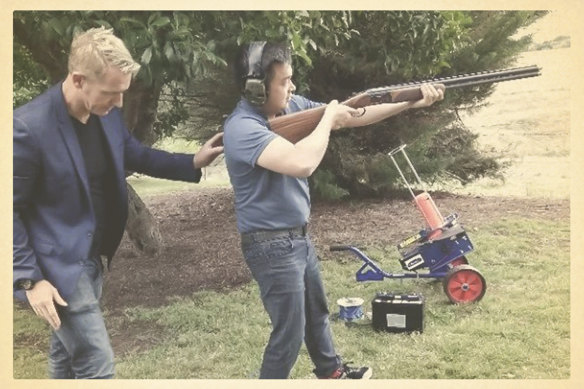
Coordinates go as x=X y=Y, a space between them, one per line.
x=434 y=255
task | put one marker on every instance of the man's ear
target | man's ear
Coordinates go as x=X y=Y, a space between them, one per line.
x=78 y=79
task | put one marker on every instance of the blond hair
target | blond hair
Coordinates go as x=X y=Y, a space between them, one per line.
x=96 y=49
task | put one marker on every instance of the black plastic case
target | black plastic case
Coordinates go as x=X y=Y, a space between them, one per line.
x=394 y=312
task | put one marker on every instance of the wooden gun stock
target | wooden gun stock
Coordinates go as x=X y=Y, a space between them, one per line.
x=298 y=125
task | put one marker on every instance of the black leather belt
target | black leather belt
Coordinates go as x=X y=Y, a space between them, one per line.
x=263 y=235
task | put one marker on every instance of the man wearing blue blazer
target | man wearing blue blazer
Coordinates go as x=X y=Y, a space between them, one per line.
x=71 y=150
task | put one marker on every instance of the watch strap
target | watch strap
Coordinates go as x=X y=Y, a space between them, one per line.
x=25 y=284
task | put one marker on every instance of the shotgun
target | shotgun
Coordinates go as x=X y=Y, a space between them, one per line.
x=298 y=125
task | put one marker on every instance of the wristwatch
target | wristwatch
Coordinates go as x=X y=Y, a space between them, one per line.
x=25 y=284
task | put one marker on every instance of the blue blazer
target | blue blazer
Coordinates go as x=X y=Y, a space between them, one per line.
x=53 y=218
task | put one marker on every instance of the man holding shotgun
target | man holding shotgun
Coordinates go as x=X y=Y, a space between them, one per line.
x=272 y=204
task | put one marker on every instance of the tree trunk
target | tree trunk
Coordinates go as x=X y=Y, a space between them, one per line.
x=140 y=105
x=142 y=228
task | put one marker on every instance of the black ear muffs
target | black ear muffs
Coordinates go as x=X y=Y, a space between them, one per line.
x=254 y=88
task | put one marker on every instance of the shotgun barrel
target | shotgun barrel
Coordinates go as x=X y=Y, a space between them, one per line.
x=298 y=125
x=411 y=91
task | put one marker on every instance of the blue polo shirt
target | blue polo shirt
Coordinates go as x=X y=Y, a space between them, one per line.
x=264 y=200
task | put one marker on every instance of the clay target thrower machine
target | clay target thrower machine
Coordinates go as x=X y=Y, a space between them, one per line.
x=438 y=251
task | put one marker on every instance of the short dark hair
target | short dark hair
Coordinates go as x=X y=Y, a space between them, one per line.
x=272 y=53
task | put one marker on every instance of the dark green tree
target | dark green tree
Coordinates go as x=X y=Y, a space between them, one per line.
x=396 y=47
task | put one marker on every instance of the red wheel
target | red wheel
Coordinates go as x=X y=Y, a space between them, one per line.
x=464 y=284
x=459 y=261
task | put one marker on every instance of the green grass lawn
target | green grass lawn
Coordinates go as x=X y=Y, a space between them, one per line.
x=521 y=328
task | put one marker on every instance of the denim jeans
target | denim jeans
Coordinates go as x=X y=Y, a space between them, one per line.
x=81 y=348
x=287 y=271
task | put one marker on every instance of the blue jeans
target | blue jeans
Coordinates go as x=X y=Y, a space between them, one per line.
x=286 y=269
x=80 y=348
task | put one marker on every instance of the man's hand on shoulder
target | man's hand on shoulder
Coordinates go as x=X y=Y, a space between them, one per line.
x=41 y=298
x=210 y=150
